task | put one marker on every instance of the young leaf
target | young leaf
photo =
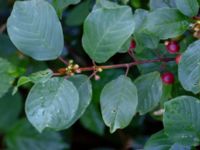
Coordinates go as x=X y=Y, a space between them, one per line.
x=6 y=77
x=118 y=102
x=23 y=136
x=41 y=76
x=181 y=120
x=149 y=91
x=189 y=68
x=35 y=30
x=160 y=141
x=166 y=23
x=84 y=87
x=102 y=39
x=52 y=104
x=188 y=7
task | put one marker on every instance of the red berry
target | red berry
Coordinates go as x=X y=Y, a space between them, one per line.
x=168 y=78
x=178 y=59
x=132 y=44
x=172 y=47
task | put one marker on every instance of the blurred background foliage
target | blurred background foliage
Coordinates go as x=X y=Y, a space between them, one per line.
x=89 y=132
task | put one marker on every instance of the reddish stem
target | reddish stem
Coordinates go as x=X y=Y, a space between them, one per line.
x=125 y=65
x=92 y=68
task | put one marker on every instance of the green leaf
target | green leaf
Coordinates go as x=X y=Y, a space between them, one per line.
x=6 y=77
x=118 y=101
x=35 y=29
x=77 y=16
x=52 y=104
x=84 y=87
x=139 y=17
x=189 y=68
x=92 y=120
x=102 y=39
x=105 y=4
x=150 y=90
x=155 y=4
x=23 y=136
x=41 y=76
x=166 y=23
x=160 y=141
x=181 y=120
x=10 y=108
x=60 y=5
x=125 y=46
x=143 y=38
x=188 y=7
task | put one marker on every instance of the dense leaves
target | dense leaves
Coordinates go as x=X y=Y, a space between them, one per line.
x=150 y=71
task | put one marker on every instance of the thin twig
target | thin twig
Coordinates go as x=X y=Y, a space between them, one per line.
x=63 y=61
x=125 y=65
x=92 y=68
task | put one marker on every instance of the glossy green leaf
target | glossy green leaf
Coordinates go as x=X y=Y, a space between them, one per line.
x=160 y=141
x=60 y=5
x=189 y=68
x=5 y=75
x=23 y=136
x=84 y=87
x=118 y=101
x=150 y=90
x=102 y=39
x=10 y=108
x=52 y=104
x=92 y=120
x=35 y=29
x=181 y=120
x=166 y=23
x=188 y=7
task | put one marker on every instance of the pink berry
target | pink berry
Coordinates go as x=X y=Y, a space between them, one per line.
x=132 y=44
x=97 y=77
x=178 y=59
x=172 y=47
x=168 y=78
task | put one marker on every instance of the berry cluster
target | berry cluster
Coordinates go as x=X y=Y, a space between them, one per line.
x=173 y=48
